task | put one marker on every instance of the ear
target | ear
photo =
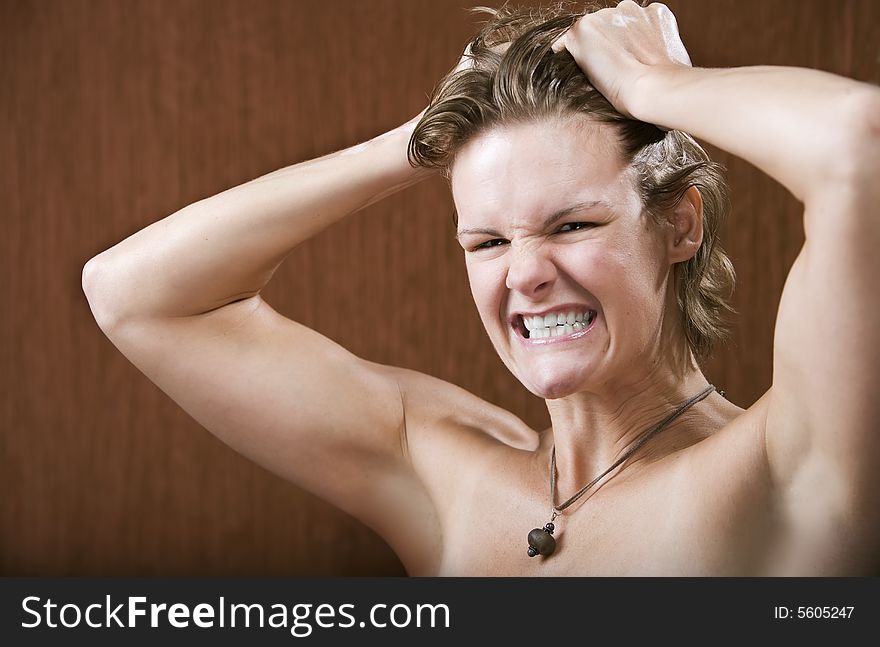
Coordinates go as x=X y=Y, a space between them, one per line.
x=685 y=231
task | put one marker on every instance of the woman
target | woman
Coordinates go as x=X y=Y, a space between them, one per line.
x=588 y=241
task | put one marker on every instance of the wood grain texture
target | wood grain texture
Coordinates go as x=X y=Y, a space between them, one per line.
x=117 y=113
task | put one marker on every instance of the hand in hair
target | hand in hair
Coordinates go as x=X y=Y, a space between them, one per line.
x=616 y=47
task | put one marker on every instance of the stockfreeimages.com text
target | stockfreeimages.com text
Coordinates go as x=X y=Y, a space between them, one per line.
x=299 y=618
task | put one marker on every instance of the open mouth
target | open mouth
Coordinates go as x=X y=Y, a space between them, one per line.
x=555 y=324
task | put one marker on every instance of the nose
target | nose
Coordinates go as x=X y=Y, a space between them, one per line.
x=531 y=272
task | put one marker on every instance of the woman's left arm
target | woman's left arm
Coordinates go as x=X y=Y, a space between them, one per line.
x=819 y=135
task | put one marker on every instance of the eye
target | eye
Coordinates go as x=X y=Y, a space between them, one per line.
x=495 y=242
x=574 y=226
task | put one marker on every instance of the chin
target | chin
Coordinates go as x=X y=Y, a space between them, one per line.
x=551 y=379
x=553 y=387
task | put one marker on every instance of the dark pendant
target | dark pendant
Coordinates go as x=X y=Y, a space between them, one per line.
x=541 y=541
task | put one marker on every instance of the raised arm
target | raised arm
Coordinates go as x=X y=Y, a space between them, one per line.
x=819 y=135
x=181 y=300
x=182 y=265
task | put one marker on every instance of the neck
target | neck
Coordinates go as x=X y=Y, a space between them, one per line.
x=591 y=430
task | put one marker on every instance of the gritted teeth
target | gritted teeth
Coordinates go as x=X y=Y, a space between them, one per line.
x=555 y=324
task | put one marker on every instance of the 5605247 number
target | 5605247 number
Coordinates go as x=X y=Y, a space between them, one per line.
x=825 y=612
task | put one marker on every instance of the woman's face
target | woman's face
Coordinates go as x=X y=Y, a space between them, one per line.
x=568 y=274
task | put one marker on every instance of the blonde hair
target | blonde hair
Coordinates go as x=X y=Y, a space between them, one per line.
x=513 y=76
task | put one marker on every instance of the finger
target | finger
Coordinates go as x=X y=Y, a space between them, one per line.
x=669 y=26
x=559 y=44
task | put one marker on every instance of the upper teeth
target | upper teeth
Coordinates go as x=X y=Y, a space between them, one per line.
x=557 y=323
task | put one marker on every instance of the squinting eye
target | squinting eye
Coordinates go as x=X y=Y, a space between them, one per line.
x=495 y=242
x=574 y=226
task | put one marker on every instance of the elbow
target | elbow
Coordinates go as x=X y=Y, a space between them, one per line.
x=849 y=153
x=859 y=154
x=94 y=286
x=90 y=273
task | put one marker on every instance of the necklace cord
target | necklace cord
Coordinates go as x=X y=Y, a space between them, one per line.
x=638 y=443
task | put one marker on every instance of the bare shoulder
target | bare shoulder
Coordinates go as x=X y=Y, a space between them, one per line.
x=450 y=432
x=449 y=435
x=738 y=441
x=777 y=527
x=431 y=403
x=710 y=503
x=729 y=467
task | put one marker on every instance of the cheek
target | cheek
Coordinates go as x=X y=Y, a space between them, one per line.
x=598 y=268
x=640 y=295
x=487 y=282
x=623 y=277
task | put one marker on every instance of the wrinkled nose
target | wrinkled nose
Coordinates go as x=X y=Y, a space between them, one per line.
x=530 y=272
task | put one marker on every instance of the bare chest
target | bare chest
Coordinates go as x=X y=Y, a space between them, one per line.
x=671 y=524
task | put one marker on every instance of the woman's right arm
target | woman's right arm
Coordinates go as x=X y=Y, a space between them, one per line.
x=225 y=248
x=181 y=300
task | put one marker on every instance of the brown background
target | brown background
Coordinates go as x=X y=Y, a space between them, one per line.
x=114 y=114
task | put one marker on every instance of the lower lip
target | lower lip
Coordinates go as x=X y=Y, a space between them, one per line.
x=555 y=340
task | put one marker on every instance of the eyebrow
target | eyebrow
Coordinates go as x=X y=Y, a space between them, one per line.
x=552 y=218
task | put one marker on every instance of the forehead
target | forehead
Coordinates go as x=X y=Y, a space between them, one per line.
x=523 y=171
